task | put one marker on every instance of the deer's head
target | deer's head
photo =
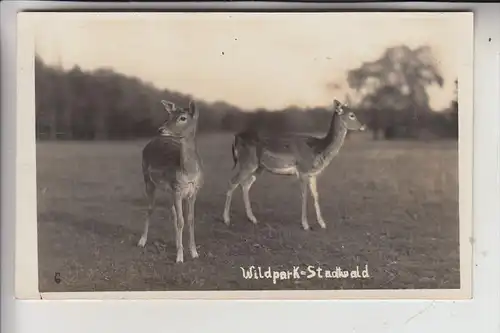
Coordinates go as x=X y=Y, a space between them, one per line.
x=180 y=122
x=347 y=117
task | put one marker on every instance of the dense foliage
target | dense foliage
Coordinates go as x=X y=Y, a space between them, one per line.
x=102 y=104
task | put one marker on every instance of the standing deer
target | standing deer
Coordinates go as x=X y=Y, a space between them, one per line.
x=171 y=161
x=303 y=156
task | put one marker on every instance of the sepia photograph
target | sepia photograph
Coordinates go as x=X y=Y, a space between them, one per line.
x=328 y=153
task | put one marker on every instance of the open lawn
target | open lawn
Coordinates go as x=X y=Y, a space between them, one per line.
x=390 y=205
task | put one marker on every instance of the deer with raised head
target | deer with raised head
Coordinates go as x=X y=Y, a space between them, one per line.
x=171 y=161
x=305 y=157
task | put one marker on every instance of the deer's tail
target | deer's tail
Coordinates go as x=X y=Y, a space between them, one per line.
x=234 y=150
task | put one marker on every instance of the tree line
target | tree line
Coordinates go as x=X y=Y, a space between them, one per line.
x=102 y=104
x=105 y=105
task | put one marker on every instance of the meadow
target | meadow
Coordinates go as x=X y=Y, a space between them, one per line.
x=390 y=205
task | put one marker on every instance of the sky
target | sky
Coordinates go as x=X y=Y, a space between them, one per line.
x=250 y=60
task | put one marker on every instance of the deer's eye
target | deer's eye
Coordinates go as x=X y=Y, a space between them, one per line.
x=182 y=118
x=352 y=116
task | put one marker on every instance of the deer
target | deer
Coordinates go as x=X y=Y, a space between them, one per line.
x=303 y=156
x=170 y=161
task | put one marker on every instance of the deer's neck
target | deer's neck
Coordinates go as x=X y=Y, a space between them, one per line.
x=334 y=139
x=189 y=155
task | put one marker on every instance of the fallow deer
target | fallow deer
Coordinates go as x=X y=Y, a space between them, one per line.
x=305 y=157
x=171 y=161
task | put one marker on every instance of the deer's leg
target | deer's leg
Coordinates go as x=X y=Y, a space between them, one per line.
x=179 y=226
x=190 y=218
x=303 y=189
x=227 y=205
x=245 y=188
x=174 y=216
x=314 y=191
x=150 y=193
x=248 y=164
x=243 y=175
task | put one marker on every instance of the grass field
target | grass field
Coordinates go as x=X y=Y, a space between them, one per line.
x=390 y=205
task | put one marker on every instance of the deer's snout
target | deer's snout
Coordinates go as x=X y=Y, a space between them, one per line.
x=163 y=131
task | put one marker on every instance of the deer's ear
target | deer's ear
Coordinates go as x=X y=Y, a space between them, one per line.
x=337 y=106
x=193 y=109
x=169 y=106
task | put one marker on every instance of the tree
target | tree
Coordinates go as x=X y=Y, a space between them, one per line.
x=386 y=111
x=404 y=73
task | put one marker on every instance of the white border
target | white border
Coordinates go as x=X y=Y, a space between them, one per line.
x=479 y=314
